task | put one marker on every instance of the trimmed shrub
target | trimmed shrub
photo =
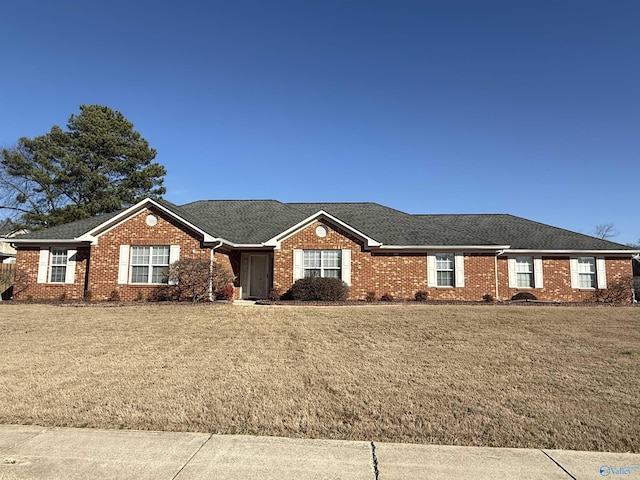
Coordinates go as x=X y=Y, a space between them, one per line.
x=526 y=296
x=421 y=296
x=487 y=297
x=320 y=289
x=114 y=296
x=370 y=297
x=387 y=297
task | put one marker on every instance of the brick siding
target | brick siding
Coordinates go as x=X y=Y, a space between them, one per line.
x=398 y=274
x=403 y=274
x=103 y=264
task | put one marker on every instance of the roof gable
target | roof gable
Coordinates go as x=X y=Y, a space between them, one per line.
x=322 y=215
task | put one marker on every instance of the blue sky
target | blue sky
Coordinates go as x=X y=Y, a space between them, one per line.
x=523 y=107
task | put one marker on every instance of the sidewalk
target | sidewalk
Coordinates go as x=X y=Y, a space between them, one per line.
x=31 y=452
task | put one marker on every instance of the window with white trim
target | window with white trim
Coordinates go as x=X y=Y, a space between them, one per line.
x=587 y=272
x=149 y=264
x=524 y=272
x=58 y=265
x=322 y=263
x=445 y=275
x=445 y=269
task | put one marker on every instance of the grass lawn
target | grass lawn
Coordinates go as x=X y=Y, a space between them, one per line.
x=543 y=377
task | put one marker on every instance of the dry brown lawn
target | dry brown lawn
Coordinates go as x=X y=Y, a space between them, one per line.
x=543 y=377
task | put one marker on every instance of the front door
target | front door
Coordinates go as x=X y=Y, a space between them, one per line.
x=258 y=276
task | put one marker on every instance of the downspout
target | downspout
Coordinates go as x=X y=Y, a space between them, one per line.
x=495 y=261
x=211 y=270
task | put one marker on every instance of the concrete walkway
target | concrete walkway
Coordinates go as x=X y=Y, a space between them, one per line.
x=32 y=452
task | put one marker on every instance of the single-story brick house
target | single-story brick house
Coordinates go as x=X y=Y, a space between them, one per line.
x=268 y=244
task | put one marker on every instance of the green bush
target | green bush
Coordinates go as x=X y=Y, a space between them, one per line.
x=320 y=289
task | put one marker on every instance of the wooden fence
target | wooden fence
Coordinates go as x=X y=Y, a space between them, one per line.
x=7 y=275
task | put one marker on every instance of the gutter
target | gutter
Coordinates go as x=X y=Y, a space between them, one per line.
x=50 y=241
x=211 y=269
x=495 y=262
x=573 y=252
x=439 y=248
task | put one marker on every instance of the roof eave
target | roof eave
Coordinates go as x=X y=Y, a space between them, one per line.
x=52 y=241
x=631 y=253
x=443 y=247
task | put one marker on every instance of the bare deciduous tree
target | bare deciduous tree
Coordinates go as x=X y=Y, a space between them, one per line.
x=606 y=231
x=193 y=279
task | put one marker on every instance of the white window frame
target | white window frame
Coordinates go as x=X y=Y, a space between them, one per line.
x=587 y=275
x=324 y=263
x=450 y=260
x=58 y=264
x=535 y=263
x=46 y=265
x=458 y=270
x=524 y=273
x=150 y=264
x=124 y=261
x=599 y=273
x=345 y=265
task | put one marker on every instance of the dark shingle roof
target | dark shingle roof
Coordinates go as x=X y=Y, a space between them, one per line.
x=521 y=233
x=256 y=221
x=389 y=226
x=243 y=221
x=69 y=231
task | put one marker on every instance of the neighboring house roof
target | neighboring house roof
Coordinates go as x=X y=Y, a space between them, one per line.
x=6 y=228
x=255 y=222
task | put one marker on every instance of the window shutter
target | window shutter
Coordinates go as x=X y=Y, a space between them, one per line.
x=174 y=256
x=298 y=271
x=346 y=266
x=70 y=274
x=43 y=265
x=537 y=272
x=573 y=267
x=513 y=282
x=601 y=272
x=123 y=264
x=431 y=270
x=174 y=253
x=459 y=269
